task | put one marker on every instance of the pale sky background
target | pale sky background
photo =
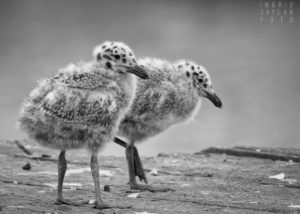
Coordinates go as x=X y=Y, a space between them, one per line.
x=254 y=65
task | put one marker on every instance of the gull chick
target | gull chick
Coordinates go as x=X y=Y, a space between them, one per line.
x=172 y=95
x=82 y=106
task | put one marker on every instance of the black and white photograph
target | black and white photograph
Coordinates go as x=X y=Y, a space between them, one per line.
x=149 y=106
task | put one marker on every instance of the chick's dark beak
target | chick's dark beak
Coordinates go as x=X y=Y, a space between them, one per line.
x=138 y=71
x=213 y=97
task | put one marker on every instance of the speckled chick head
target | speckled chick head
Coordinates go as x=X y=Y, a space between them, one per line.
x=200 y=79
x=119 y=57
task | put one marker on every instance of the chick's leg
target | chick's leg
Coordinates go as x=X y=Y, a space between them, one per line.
x=95 y=174
x=62 y=167
x=135 y=167
x=99 y=204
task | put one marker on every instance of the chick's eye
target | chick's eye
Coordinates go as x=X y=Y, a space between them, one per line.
x=117 y=56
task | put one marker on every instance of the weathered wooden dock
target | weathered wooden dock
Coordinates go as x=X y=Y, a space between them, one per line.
x=205 y=182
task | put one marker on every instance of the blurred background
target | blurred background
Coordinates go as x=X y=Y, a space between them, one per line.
x=254 y=64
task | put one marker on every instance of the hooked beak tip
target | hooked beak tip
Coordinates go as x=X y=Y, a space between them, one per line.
x=214 y=99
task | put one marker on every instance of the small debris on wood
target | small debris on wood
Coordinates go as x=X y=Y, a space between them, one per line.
x=19 y=145
x=106 y=188
x=134 y=195
x=153 y=172
x=45 y=156
x=91 y=201
x=280 y=176
x=27 y=166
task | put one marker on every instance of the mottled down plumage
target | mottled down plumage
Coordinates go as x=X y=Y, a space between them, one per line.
x=171 y=95
x=167 y=98
x=80 y=106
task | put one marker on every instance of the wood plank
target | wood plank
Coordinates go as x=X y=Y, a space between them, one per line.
x=248 y=152
x=203 y=183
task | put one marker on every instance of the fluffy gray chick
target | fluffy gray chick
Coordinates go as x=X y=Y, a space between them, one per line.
x=172 y=95
x=82 y=106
